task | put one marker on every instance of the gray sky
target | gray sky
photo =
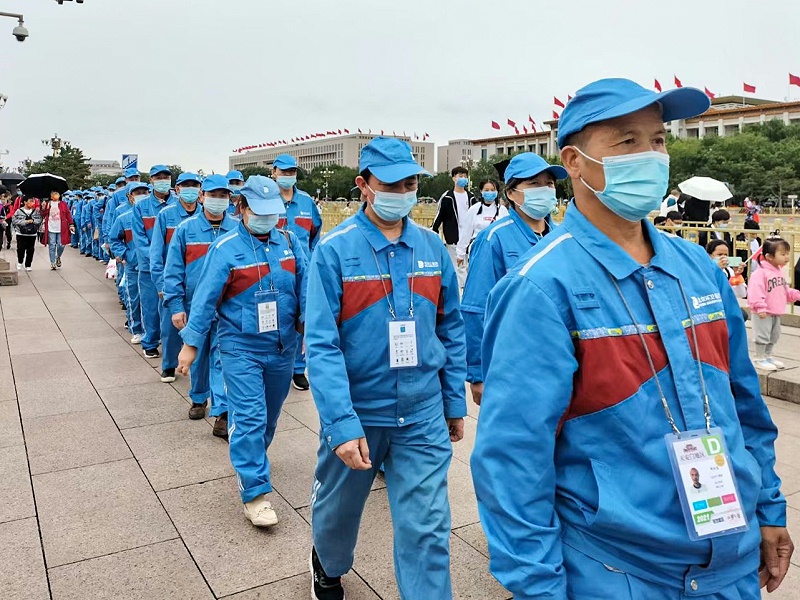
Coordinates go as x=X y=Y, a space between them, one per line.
x=186 y=81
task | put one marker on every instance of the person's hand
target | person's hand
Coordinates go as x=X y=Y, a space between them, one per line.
x=186 y=358
x=179 y=320
x=459 y=262
x=160 y=295
x=762 y=315
x=355 y=454
x=776 y=550
x=29 y=221
x=477 y=392
x=456 y=427
x=739 y=270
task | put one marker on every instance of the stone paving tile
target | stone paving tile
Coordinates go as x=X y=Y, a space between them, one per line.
x=10 y=430
x=16 y=496
x=232 y=554
x=7 y=388
x=116 y=372
x=298 y=588
x=293 y=458
x=36 y=342
x=61 y=365
x=304 y=411
x=42 y=325
x=463 y=504
x=179 y=453
x=22 y=576
x=474 y=536
x=144 y=404
x=101 y=348
x=97 y=510
x=24 y=308
x=46 y=397
x=71 y=440
x=463 y=449
x=163 y=571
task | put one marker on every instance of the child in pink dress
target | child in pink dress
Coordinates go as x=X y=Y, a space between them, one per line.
x=768 y=294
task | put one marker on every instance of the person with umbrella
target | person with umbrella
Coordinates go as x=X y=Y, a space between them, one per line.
x=58 y=227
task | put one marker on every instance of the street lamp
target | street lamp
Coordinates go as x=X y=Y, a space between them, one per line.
x=19 y=32
x=55 y=143
x=326 y=174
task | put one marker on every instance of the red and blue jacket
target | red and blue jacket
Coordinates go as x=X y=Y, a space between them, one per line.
x=120 y=236
x=347 y=329
x=235 y=266
x=186 y=257
x=144 y=220
x=303 y=219
x=570 y=445
x=167 y=222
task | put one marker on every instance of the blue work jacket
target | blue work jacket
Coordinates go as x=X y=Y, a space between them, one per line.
x=347 y=329
x=570 y=445
x=228 y=285
x=494 y=253
x=163 y=230
x=120 y=237
x=303 y=219
x=187 y=256
x=144 y=220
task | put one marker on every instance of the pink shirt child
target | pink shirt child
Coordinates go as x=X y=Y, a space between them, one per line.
x=769 y=291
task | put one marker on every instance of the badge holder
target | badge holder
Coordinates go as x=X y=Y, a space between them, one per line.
x=266 y=301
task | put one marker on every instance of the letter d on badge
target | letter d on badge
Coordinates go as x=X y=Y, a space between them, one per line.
x=712 y=445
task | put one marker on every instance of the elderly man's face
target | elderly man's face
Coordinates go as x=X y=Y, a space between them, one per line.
x=695 y=475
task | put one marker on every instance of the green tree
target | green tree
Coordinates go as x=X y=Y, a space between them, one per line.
x=103 y=180
x=340 y=181
x=70 y=164
x=250 y=171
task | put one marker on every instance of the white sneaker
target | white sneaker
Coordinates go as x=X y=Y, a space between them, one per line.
x=29 y=268
x=765 y=365
x=19 y=266
x=260 y=512
x=776 y=362
x=136 y=339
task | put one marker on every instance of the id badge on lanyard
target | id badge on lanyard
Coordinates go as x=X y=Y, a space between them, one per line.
x=706 y=484
x=402 y=344
x=267 y=311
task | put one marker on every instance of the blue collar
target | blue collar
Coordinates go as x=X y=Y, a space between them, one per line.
x=226 y=224
x=525 y=229
x=410 y=236
x=275 y=235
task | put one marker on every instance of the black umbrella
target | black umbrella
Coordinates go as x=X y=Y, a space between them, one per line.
x=41 y=184
x=11 y=178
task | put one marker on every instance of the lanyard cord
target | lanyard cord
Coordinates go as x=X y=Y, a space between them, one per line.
x=664 y=404
x=258 y=267
x=386 y=291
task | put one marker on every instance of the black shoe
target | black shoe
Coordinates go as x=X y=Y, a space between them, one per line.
x=197 y=411
x=221 y=426
x=151 y=353
x=167 y=375
x=58 y=263
x=299 y=381
x=322 y=586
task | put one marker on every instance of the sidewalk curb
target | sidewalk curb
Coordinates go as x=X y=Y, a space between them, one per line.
x=783 y=385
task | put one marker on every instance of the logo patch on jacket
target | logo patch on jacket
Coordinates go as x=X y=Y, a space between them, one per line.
x=707 y=300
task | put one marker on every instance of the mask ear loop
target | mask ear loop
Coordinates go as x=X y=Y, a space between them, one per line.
x=594 y=160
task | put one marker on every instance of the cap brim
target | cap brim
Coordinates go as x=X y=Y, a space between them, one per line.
x=680 y=103
x=259 y=206
x=395 y=173
x=216 y=188
x=556 y=171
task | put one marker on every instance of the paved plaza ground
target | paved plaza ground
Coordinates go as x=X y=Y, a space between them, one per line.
x=108 y=491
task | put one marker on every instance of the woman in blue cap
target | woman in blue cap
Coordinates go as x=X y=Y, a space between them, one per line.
x=530 y=189
x=255 y=283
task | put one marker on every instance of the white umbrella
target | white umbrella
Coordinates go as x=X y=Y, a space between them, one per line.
x=706 y=188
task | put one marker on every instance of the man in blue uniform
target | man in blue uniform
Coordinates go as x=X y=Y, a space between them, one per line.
x=386 y=359
x=582 y=467
x=185 y=261
x=235 y=185
x=144 y=219
x=187 y=187
x=117 y=198
x=302 y=219
x=86 y=222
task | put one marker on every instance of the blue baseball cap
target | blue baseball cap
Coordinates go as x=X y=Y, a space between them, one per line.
x=135 y=185
x=187 y=176
x=611 y=98
x=528 y=164
x=234 y=175
x=131 y=172
x=120 y=180
x=156 y=169
x=263 y=196
x=285 y=161
x=389 y=159
x=215 y=182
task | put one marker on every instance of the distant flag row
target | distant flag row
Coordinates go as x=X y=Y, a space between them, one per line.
x=314 y=136
x=746 y=87
x=533 y=127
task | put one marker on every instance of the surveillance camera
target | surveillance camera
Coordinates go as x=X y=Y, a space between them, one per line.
x=20 y=33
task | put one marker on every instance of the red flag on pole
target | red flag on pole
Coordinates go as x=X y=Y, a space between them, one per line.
x=347 y=131
x=678 y=82
x=569 y=97
x=794 y=80
x=511 y=123
x=525 y=129
x=710 y=94
x=381 y=131
x=555 y=115
x=558 y=102
x=359 y=130
x=530 y=118
x=657 y=85
x=516 y=129
x=495 y=125
x=427 y=135
x=750 y=89
x=533 y=127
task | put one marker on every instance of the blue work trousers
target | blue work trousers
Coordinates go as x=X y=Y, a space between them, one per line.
x=129 y=283
x=300 y=357
x=150 y=314
x=75 y=238
x=219 y=392
x=118 y=281
x=257 y=384
x=171 y=342
x=416 y=459
x=206 y=376
x=86 y=242
x=589 y=579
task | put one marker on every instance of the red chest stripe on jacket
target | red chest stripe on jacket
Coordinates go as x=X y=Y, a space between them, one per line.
x=282 y=223
x=712 y=337
x=305 y=222
x=128 y=235
x=240 y=280
x=289 y=264
x=612 y=369
x=149 y=222
x=195 y=251
x=170 y=233
x=431 y=289
x=358 y=295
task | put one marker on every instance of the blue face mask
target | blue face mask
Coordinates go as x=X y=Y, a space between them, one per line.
x=261 y=224
x=635 y=183
x=216 y=206
x=235 y=188
x=162 y=186
x=190 y=195
x=462 y=182
x=538 y=202
x=489 y=196
x=392 y=207
x=286 y=181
